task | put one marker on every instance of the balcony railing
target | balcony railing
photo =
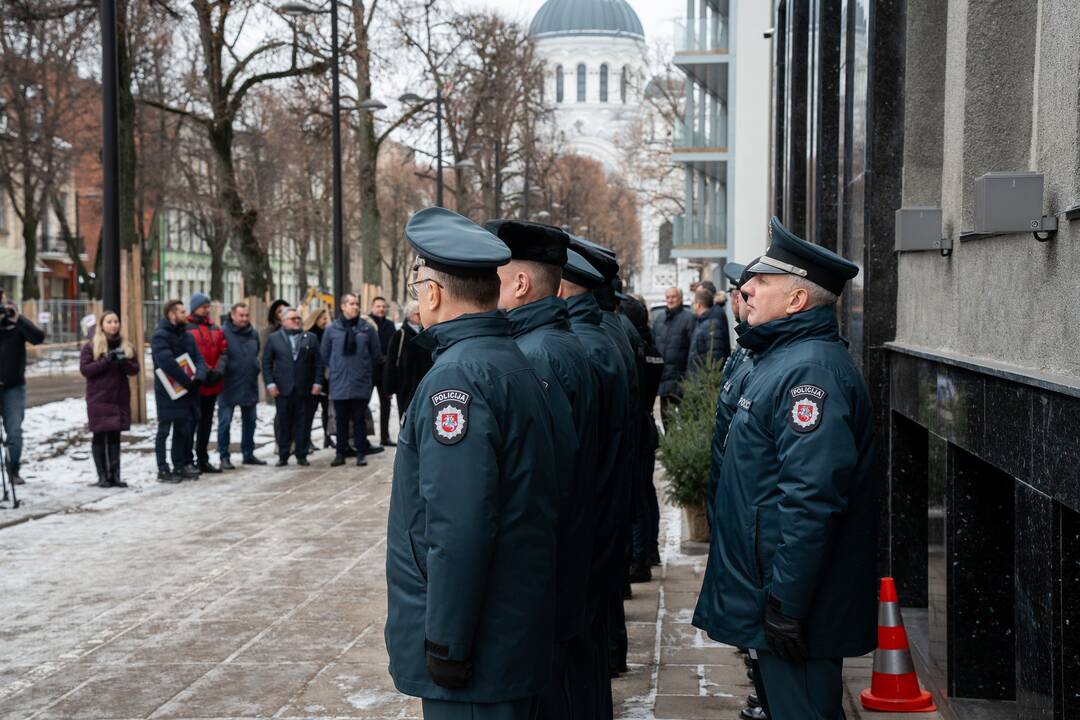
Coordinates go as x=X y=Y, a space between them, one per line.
x=712 y=138
x=691 y=233
x=701 y=36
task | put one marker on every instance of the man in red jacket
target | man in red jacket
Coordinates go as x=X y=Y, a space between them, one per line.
x=211 y=341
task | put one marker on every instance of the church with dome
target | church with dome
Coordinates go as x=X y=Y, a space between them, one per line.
x=594 y=52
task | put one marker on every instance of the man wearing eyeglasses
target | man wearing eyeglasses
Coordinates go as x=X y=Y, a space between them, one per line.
x=292 y=368
x=471 y=536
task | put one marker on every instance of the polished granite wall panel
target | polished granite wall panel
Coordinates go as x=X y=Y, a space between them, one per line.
x=1068 y=703
x=937 y=560
x=1030 y=431
x=906 y=510
x=980 y=511
x=1038 y=567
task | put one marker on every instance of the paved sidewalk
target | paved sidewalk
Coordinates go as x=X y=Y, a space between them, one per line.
x=261 y=594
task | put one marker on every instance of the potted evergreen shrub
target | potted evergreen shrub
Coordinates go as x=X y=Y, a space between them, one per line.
x=686 y=446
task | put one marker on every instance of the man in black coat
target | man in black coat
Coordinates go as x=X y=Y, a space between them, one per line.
x=168 y=346
x=710 y=342
x=292 y=370
x=385 y=330
x=405 y=362
x=15 y=332
x=241 y=385
x=672 y=332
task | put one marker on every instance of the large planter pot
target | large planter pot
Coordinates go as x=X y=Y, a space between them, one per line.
x=697 y=524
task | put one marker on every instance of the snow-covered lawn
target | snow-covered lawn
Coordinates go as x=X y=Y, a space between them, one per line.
x=59 y=470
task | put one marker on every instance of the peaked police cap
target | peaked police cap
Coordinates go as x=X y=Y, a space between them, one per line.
x=450 y=243
x=578 y=271
x=791 y=255
x=733 y=272
x=601 y=258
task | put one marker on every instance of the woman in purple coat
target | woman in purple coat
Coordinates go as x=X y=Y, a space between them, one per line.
x=106 y=361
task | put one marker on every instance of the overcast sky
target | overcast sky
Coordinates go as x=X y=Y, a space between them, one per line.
x=656 y=15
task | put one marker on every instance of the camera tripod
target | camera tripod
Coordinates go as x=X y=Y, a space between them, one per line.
x=5 y=478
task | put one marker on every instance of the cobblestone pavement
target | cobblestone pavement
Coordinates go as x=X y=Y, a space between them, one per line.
x=261 y=594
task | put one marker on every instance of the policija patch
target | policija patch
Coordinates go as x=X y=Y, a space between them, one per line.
x=807 y=405
x=451 y=415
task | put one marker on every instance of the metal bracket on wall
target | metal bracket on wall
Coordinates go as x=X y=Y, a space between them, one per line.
x=1047 y=228
x=1073 y=213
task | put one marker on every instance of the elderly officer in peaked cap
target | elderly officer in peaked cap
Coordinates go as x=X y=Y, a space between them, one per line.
x=540 y=324
x=611 y=487
x=792 y=571
x=471 y=537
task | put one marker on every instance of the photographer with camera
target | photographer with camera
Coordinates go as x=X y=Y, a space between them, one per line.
x=211 y=342
x=106 y=362
x=15 y=332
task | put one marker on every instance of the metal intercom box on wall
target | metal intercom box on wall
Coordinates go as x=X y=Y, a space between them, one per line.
x=1008 y=202
x=918 y=228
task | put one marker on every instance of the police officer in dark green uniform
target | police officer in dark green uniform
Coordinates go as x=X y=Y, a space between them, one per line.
x=471 y=537
x=792 y=563
x=612 y=485
x=540 y=324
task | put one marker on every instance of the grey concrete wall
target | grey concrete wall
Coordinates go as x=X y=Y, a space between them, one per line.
x=1010 y=102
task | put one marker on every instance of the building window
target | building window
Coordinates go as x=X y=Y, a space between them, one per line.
x=624 y=81
x=558 y=84
x=581 y=82
x=603 y=83
x=664 y=243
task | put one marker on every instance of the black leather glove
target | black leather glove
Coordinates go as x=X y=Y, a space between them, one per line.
x=212 y=377
x=450 y=674
x=784 y=634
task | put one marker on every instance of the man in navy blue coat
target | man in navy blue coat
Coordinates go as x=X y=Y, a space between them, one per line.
x=292 y=371
x=169 y=343
x=241 y=385
x=472 y=532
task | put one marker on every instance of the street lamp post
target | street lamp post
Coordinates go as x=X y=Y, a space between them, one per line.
x=295 y=10
x=110 y=161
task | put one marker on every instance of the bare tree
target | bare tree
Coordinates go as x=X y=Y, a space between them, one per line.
x=228 y=76
x=402 y=191
x=38 y=60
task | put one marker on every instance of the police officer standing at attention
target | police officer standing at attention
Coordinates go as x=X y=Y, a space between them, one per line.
x=541 y=327
x=792 y=565
x=608 y=565
x=471 y=537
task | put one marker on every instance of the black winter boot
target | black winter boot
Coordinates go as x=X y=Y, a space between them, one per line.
x=112 y=460
x=101 y=464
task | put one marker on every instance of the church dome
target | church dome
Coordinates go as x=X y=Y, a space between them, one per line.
x=586 y=17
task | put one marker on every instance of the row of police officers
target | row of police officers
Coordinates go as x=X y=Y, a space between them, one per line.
x=520 y=458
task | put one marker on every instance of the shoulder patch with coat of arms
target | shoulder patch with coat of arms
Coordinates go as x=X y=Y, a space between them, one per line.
x=451 y=416
x=807 y=407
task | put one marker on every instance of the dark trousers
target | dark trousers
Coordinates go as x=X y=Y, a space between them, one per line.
x=248 y=418
x=510 y=710
x=646 y=526
x=293 y=431
x=105 y=447
x=206 y=406
x=572 y=693
x=618 y=641
x=811 y=690
x=598 y=636
x=181 y=443
x=384 y=409
x=313 y=408
x=354 y=411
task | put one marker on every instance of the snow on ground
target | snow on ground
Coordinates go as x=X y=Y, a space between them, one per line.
x=59 y=470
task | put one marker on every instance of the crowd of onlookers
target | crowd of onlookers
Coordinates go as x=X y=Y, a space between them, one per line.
x=310 y=364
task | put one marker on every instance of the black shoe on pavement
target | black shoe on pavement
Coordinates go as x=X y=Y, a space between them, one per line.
x=349 y=451
x=750 y=675
x=361 y=461
x=302 y=461
x=206 y=467
x=226 y=464
x=254 y=461
x=189 y=472
x=654 y=558
x=374 y=449
x=15 y=478
x=282 y=462
x=338 y=461
x=327 y=442
x=167 y=476
x=117 y=483
x=640 y=573
x=755 y=713
x=388 y=443
x=752 y=701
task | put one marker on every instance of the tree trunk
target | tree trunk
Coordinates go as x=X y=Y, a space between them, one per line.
x=72 y=244
x=367 y=156
x=30 y=288
x=217 y=272
x=254 y=261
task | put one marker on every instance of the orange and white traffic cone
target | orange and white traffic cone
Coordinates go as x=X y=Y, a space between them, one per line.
x=895 y=686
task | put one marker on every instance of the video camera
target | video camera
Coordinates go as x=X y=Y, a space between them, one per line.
x=8 y=312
